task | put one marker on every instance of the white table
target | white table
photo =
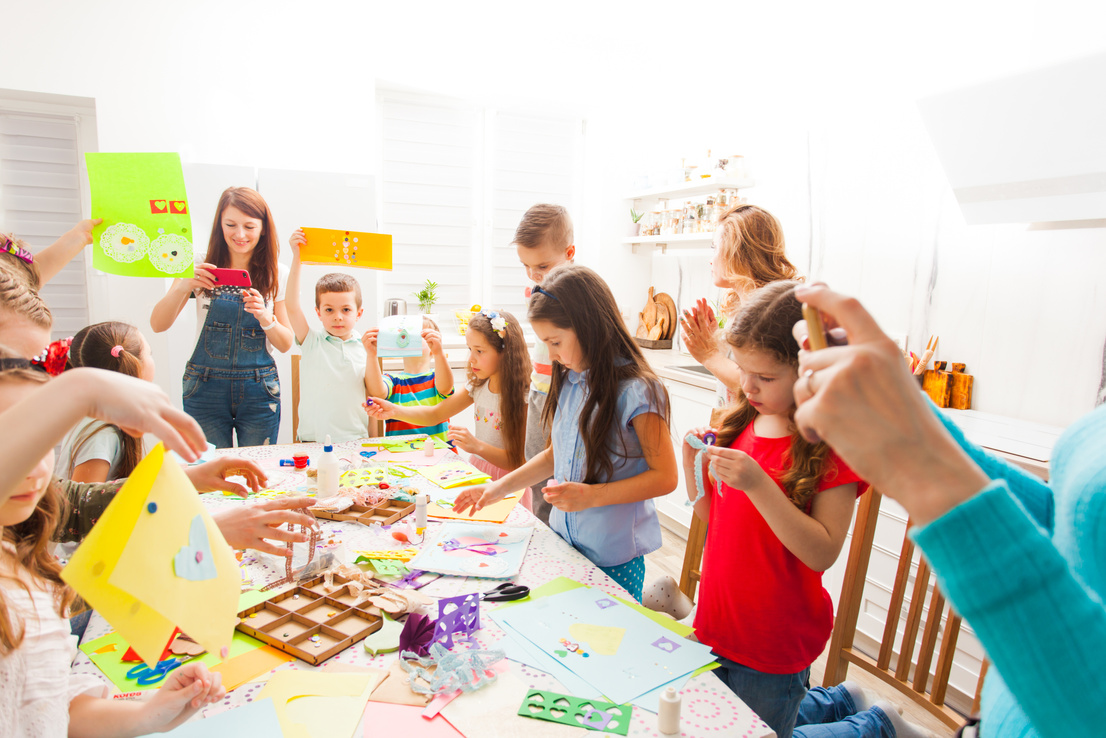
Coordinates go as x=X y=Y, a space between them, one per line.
x=709 y=707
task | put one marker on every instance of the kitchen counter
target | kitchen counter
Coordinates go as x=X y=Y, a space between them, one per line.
x=679 y=367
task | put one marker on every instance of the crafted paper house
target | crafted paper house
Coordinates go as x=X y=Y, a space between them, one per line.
x=156 y=560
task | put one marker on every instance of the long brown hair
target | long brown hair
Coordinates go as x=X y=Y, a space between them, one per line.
x=751 y=251
x=576 y=298
x=92 y=346
x=514 y=380
x=764 y=324
x=263 y=260
x=32 y=537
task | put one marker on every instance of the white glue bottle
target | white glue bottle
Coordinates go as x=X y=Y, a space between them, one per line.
x=668 y=718
x=428 y=447
x=328 y=472
x=421 y=501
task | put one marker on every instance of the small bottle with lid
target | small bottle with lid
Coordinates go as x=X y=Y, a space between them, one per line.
x=328 y=471
x=668 y=717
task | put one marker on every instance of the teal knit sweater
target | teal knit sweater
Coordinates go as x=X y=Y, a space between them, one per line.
x=1025 y=564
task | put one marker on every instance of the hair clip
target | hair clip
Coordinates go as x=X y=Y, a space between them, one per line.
x=54 y=358
x=9 y=244
x=538 y=288
x=499 y=323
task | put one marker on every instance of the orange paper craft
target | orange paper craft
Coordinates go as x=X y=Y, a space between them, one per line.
x=347 y=248
x=496 y=512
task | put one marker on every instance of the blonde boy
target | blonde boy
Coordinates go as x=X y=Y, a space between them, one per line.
x=418 y=384
x=544 y=240
x=332 y=383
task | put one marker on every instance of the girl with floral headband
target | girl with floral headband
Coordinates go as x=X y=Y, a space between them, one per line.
x=498 y=383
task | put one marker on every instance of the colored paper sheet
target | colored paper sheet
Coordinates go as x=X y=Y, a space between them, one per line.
x=417 y=458
x=399 y=336
x=347 y=248
x=253 y=718
x=454 y=473
x=124 y=568
x=405 y=720
x=107 y=652
x=496 y=512
x=479 y=550
x=492 y=712
x=311 y=704
x=246 y=667
x=647 y=655
x=402 y=445
x=147 y=231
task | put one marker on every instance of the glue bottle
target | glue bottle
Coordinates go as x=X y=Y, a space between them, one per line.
x=421 y=501
x=668 y=718
x=328 y=472
x=428 y=447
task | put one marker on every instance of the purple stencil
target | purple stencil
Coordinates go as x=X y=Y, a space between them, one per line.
x=457 y=616
x=666 y=645
x=596 y=719
x=604 y=603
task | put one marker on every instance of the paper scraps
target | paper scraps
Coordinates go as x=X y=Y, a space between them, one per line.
x=463 y=670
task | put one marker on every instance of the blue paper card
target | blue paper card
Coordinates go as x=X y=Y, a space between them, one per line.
x=399 y=336
x=253 y=718
x=474 y=550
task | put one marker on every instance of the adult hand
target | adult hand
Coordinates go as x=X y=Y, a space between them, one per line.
x=186 y=689
x=368 y=340
x=569 y=496
x=253 y=526
x=463 y=439
x=137 y=407
x=737 y=469
x=211 y=476
x=861 y=399
x=700 y=330
x=255 y=306
x=380 y=409
x=202 y=278
x=433 y=340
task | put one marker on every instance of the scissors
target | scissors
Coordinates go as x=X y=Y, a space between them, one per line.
x=146 y=676
x=506 y=592
x=368 y=454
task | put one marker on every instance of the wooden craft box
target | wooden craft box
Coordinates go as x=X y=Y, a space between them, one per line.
x=385 y=513
x=292 y=618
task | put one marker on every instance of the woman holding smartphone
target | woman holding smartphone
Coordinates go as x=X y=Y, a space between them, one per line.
x=231 y=385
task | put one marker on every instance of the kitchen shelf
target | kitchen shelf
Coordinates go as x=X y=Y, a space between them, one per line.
x=690 y=189
x=683 y=240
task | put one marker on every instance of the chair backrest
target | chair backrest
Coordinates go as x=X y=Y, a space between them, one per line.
x=842 y=653
x=696 y=539
x=295 y=396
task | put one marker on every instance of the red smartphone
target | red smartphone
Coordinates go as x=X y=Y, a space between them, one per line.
x=231 y=277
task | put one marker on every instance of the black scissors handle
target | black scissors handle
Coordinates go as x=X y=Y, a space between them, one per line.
x=506 y=592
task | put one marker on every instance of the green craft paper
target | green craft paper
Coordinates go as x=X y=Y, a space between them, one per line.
x=115 y=669
x=126 y=190
x=572 y=713
x=400 y=447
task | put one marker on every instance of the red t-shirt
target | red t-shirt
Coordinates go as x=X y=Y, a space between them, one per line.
x=758 y=604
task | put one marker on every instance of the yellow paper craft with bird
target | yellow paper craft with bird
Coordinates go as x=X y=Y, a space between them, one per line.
x=156 y=561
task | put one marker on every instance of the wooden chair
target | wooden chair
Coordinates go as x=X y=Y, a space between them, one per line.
x=841 y=652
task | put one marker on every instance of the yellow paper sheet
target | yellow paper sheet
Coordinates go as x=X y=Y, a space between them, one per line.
x=347 y=248
x=311 y=704
x=125 y=571
x=496 y=512
x=251 y=665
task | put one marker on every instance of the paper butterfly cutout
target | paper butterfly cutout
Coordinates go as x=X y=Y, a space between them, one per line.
x=194 y=562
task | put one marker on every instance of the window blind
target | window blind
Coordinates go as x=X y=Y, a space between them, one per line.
x=40 y=199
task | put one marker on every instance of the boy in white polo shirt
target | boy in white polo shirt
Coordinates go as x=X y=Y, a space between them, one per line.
x=332 y=370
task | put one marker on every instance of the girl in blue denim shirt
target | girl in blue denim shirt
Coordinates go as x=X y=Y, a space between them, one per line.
x=230 y=383
x=611 y=452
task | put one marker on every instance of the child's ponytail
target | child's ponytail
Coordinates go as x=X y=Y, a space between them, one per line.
x=504 y=334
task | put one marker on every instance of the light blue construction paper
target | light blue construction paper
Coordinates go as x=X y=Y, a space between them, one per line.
x=502 y=565
x=253 y=718
x=399 y=336
x=185 y=564
x=636 y=668
x=519 y=648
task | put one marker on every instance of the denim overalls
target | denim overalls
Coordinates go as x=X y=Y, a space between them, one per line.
x=231 y=382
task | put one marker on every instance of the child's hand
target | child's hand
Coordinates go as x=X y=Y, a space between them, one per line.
x=463 y=439
x=186 y=690
x=255 y=306
x=690 y=453
x=737 y=469
x=476 y=497
x=81 y=234
x=296 y=240
x=211 y=476
x=379 y=409
x=368 y=340
x=700 y=326
x=252 y=526
x=568 y=496
x=433 y=339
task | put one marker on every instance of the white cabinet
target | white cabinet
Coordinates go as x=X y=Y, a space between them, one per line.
x=691 y=407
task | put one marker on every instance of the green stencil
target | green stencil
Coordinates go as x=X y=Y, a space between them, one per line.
x=582 y=713
x=147 y=231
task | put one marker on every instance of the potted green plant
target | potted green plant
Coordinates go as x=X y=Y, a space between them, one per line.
x=635 y=226
x=427 y=296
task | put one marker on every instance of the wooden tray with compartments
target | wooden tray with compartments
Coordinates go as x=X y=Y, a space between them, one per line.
x=309 y=622
x=385 y=513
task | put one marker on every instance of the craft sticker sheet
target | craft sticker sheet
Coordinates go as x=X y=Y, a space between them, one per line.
x=399 y=336
x=347 y=248
x=616 y=649
x=454 y=473
x=467 y=549
x=148 y=567
x=147 y=231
